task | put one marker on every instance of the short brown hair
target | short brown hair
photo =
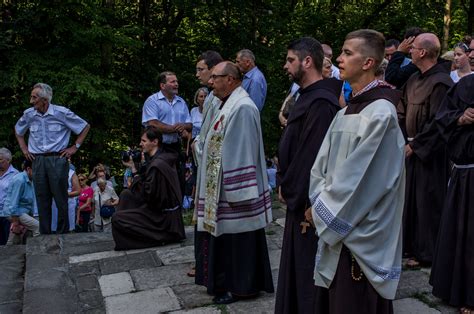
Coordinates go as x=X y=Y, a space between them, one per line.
x=374 y=44
x=163 y=75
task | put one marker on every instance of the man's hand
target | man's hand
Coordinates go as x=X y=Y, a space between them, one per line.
x=179 y=127
x=129 y=164
x=186 y=135
x=408 y=150
x=308 y=215
x=27 y=154
x=68 y=152
x=406 y=44
x=467 y=117
x=280 y=197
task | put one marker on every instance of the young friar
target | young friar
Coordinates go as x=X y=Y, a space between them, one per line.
x=357 y=189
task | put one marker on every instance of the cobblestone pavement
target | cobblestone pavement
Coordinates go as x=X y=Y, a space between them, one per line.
x=81 y=273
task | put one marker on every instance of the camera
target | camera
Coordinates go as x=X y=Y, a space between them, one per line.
x=134 y=154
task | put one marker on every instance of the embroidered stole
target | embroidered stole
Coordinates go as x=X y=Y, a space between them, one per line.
x=214 y=166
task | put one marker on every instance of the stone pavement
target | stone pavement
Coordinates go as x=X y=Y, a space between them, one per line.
x=81 y=273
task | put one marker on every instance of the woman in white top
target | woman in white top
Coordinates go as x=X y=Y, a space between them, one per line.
x=103 y=195
x=196 y=112
x=461 y=61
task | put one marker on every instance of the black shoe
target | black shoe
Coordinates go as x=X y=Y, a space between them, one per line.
x=225 y=298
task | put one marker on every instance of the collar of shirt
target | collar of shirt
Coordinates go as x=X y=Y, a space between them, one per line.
x=28 y=180
x=160 y=96
x=10 y=170
x=252 y=72
x=50 y=111
x=368 y=87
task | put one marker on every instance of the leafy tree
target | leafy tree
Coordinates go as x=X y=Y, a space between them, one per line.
x=102 y=57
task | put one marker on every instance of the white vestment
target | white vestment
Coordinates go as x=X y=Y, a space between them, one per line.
x=232 y=187
x=357 y=190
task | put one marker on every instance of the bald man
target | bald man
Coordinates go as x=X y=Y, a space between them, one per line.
x=233 y=202
x=426 y=159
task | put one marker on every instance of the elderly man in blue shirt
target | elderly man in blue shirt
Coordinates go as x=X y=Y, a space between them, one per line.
x=49 y=128
x=254 y=81
x=20 y=203
x=7 y=172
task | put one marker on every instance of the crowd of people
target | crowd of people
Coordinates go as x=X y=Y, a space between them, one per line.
x=375 y=163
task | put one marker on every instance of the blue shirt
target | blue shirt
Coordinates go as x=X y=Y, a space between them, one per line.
x=5 y=180
x=49 y=132
x=256 y=86
x=405 y=62
x=20 y=196
x=271 y=173
x=347 y=90
x=196 y=119
x=157 y=107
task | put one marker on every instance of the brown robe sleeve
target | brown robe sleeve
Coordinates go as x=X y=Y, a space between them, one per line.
x=295 y=184
x=429 y=140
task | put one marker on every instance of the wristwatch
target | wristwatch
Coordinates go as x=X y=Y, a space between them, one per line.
x=78 y=145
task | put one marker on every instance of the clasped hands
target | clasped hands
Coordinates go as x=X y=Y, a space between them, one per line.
x=467 y=117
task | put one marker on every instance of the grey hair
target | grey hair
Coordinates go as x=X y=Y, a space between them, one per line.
x=101 y=181
x=6 y=153
x=382 y=67
x=46 y=91
x=247 y=53
x=201 y=89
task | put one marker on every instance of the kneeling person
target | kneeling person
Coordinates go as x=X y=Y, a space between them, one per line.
x=149 y=213
x=20 y=202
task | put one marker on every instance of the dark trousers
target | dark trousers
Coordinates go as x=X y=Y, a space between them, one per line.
x=50 y=176
x=4 y=230
x=180 y=162
x=85 y=217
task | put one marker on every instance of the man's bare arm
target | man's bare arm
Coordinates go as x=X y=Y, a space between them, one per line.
x=68 y=152
x=162 y=127
x=24 y=147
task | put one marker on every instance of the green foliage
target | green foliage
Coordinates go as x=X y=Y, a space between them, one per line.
x=102 y=57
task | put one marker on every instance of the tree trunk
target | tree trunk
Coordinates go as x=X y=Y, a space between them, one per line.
x=144 y=20
x=470 y=18
x=446 y=24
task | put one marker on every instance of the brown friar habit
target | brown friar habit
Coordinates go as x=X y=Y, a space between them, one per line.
x=452 y=274
x=428 y=167
x=346 y=295
x=308 y=122
x=149 y=213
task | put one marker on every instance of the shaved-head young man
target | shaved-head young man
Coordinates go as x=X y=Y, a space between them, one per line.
x=356 y=189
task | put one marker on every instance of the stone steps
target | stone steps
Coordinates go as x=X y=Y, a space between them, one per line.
x=81 y=273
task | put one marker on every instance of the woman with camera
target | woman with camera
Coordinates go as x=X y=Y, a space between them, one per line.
x=149 y=213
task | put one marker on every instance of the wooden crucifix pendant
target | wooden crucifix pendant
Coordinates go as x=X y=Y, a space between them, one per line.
x=304 y=225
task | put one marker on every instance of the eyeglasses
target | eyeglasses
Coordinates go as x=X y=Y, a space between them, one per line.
x=214 y=76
